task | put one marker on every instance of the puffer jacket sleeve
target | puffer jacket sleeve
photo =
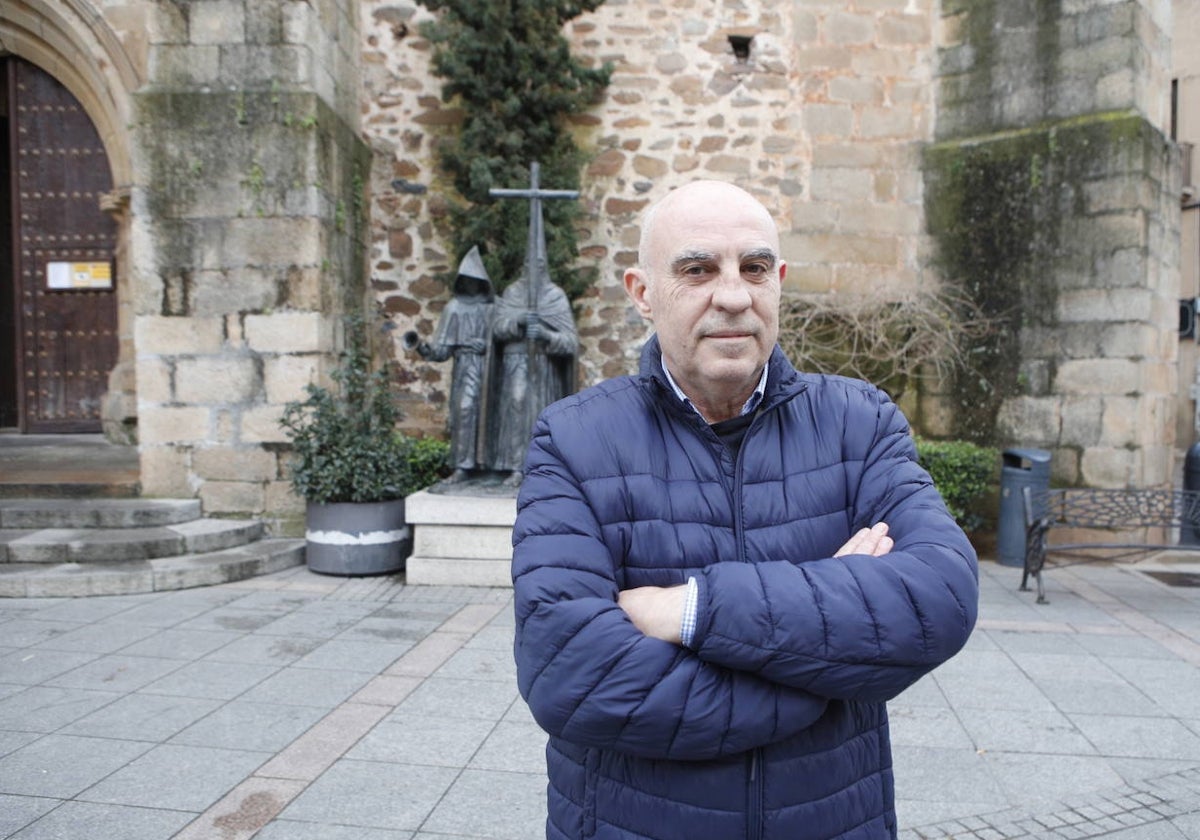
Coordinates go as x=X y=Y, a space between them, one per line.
x=589 y=675
x=854 y=627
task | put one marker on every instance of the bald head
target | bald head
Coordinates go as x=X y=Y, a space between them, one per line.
x=697 y=199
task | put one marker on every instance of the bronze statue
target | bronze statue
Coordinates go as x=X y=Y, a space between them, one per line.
x=464 y=332
x=536 y=328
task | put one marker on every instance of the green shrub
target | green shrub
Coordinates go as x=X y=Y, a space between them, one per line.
x=427 y=460
x=963 y=473
x=344 y=442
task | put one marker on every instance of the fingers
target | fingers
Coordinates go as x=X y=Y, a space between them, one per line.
x=872 y=541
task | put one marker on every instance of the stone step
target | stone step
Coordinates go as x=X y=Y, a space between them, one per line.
x=114 y=489
x=108 y=545
x=96 y=513
x=71 y=580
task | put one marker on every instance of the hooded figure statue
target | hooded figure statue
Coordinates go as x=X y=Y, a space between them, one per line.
x=464 y=333
x=534 y=323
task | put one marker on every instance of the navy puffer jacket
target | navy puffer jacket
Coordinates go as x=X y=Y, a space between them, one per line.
x=772 y=726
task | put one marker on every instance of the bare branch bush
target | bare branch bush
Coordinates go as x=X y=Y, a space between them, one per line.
x=886 y=337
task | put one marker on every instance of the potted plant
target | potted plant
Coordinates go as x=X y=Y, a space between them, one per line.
x=352 y=467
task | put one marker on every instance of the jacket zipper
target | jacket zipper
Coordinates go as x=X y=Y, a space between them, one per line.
x=754 y=795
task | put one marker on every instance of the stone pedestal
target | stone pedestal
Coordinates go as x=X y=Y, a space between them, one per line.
x=460 y=540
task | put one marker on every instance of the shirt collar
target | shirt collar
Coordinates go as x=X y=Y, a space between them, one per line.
x=750 y=405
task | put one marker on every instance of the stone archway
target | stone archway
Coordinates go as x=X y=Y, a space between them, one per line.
x=74 y=43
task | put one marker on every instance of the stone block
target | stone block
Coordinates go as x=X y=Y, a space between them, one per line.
x=844 y=28
x=862 y=155
x=235 y=290
x=840 y=184
x=905 y=30
x=1101 y=304
x=813 y=216
x=261 y=425
x=1035 y=421
x=1083 y=420
x=217 y=22
x=289 y=332
x=465 y=541
x=850 y=89
x=177 y=336
x=232 y=497
x=890 y=122
x=828 y=120
x=425 y=508
x=154 y=380
x=217 y=380
x=1123 y=422
x=1108 y=467
x=846 y=248
x=1097 y=376
x=441 y=571
x=284 y=377
x=165 y=471
x=173 y=424
x=872 y=217
x=808 y=279
x=273 y=241
x=282 y=501
x=230 y=463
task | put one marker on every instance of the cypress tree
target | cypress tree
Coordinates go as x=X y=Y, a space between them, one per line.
x=508 y=66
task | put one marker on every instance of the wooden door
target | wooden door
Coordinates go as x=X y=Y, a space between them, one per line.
x=63 y=249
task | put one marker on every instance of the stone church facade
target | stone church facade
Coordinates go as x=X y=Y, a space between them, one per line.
x=272 y=169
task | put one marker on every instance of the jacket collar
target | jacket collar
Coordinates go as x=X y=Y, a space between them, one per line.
x=783 y=380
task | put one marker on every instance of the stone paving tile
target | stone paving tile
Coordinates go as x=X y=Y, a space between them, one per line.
x=214 y=680
x=1034 y=731
x=514 y=748
x=32 y=667
x=374 y=795
x=350 y=655
x=16 y=812
x=64 y=765
x=1145 y=737
x=111 y=822
x=142 y=717
x=264 y=650
x=294 y=830
x=177 y=777
x=182 y=644
x=308 y=687
x=485 y=803
x=411 y=739
x=117 y=672
x=45 y=708
x=243 y=725
x=101 y=637
x=926 y=726
x=458 y=698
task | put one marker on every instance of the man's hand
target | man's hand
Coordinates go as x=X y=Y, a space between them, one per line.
x=873 y=541
x=655 y=610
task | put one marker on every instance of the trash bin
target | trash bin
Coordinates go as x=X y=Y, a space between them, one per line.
x=1189 y=534
x=1020 y=468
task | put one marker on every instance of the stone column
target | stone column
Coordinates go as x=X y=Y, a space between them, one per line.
x=1052 y=195
x=248 y=218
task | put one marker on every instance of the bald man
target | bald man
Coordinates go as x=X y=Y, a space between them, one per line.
x=723 y=567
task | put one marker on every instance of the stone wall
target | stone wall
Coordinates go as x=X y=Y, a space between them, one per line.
x=1053 y=195
x=823 y=120
x=247 y=216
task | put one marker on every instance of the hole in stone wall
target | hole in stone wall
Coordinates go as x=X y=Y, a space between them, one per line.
x=741 y=46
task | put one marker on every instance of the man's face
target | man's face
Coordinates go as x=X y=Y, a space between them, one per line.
x=710 y=282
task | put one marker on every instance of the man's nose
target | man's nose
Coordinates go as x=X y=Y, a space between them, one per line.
x=731 y=293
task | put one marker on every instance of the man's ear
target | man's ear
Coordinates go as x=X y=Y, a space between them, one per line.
x=636 y=288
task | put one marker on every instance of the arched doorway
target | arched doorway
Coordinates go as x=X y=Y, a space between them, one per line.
x=58 y=301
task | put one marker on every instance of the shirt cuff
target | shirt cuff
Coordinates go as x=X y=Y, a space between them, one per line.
x=687 y=627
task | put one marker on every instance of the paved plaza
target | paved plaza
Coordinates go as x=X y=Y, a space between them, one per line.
x=301 y=707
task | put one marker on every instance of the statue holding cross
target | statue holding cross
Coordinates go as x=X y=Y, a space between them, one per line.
x=534 y=326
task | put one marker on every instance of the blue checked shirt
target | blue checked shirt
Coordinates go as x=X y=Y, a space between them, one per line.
x=687 y=627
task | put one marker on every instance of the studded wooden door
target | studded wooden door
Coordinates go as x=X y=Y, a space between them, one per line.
x=66 y=308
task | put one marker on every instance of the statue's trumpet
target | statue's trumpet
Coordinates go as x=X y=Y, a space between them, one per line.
x=411 y=340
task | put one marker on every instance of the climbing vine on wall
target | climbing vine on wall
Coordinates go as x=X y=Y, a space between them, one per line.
x=510 y=70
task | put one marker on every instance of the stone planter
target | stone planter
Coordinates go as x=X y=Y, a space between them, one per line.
x=356 y=538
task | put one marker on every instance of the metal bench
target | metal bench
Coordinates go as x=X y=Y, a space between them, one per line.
x=1137 y=521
